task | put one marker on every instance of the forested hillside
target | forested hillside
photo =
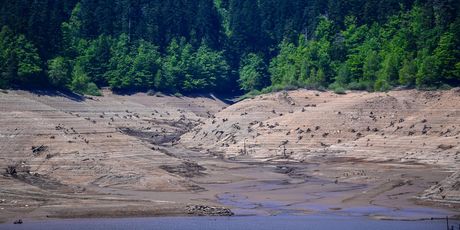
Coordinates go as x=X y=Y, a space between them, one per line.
x=229 y=46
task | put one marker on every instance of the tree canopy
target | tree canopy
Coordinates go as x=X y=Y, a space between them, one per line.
x=231 y=46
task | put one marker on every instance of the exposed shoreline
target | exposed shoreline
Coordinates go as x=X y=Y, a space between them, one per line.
x=142 y=156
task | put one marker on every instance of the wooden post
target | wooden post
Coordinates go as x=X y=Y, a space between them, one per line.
x=447 y=222
x=284 y=151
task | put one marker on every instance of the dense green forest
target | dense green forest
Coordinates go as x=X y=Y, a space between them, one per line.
x=229 y=46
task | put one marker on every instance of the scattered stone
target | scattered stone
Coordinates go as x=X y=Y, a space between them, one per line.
x=36 y=150
x=236 y=126
x=445 y=147
x=18 y=221
x=11 y=170
x=204 y=210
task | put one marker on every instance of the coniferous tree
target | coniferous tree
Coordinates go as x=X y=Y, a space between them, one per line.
x=253 y=73
x=19 y=58
x=373 y=44
x=59 y=71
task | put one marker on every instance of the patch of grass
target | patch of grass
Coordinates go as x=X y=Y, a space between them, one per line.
x=250 y=94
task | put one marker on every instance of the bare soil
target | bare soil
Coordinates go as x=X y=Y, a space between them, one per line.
x=299 y=152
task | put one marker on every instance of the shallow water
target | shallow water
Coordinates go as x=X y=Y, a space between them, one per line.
x=239 y=222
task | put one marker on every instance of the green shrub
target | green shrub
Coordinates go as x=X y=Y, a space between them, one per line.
x=445 y=87
x=340 y=90
x=382 y=86
x=81 y=84
x=92 y=89
x=361 y=85
x=278 y=88
x=59 y=72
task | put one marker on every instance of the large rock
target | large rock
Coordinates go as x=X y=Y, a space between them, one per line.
x=204 y=210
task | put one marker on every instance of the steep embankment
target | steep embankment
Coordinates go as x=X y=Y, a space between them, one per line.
x=63 y=150
x=398 y=126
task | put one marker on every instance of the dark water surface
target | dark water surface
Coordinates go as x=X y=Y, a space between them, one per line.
x=241 y=222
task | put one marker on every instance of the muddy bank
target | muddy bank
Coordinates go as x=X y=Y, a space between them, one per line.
x=409 y=126
x=186 y=169
x=378 y=155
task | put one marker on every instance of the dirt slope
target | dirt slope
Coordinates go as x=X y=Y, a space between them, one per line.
x=61 y=144
x=399 y=126
x=138 y=155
